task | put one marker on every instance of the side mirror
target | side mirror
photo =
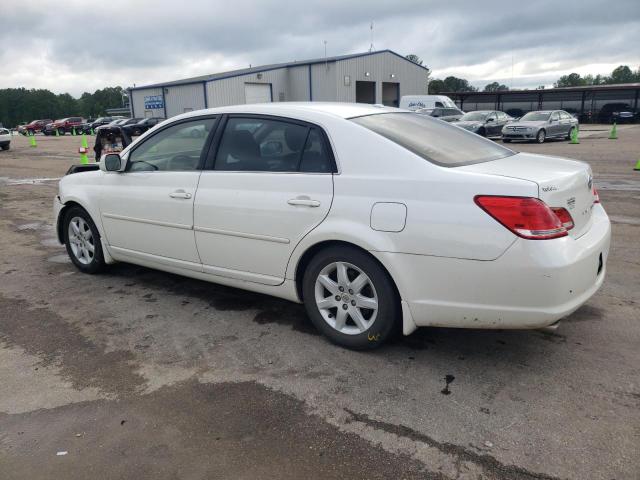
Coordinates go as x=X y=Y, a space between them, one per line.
x=111 y=162
x=491 y=120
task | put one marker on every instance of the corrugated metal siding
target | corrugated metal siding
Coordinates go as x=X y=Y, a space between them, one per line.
x=230 y=91
x=138 y=103
x=412 y=78
x=323 y=77
x=184 y=98
x=298 y=90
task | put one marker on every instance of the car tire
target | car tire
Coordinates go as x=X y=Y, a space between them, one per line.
x=61 y=131
x=6 y=147
x=80 y=237
x=568 y=137
x=506 y=140
x=342 y=314
x=541 y=136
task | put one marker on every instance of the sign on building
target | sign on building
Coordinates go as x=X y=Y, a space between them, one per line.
x=153 y=101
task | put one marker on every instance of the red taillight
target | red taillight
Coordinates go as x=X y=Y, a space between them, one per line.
x=596 y=196
x=527 y=217
x=564 y=216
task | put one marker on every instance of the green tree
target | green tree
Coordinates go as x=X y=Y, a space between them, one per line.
x=455 y=84
x=495 y=87
x=414 y=58
x=571 y=80
x=436 y=86
x=621 y=74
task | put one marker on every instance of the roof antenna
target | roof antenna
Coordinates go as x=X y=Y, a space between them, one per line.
x=371 y=46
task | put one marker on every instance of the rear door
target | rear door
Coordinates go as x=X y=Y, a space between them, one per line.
x=268 y=183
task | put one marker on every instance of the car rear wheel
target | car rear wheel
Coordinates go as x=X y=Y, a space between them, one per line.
x=82 y=240
x=541 y=136
x=350 y=298
x=506 y=140
x=5 y=147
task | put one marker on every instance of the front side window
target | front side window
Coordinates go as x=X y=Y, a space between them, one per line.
x=555 y=117
x=474 y=117
x=176 y=148
x=266 y=145
x=435 y=141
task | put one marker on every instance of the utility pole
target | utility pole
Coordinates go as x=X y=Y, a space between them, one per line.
x=371 y=46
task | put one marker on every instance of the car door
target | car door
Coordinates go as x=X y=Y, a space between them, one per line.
x=147 y=210
x=492 y=126
x=268 y=183
x=566 y=120
x=555 y=127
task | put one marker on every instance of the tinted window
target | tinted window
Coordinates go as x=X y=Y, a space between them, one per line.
x=436 y=141
x=555 y=116
x=264 y=145
x=439 y=104
x=474 y=117
x=176 y=148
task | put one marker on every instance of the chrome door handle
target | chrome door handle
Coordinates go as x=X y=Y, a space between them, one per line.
x=180 y=194
x=304 y=201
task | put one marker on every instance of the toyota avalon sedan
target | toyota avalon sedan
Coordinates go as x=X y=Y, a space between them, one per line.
x=375 y=218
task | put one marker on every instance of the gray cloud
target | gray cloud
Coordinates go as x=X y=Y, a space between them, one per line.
x=78 y=47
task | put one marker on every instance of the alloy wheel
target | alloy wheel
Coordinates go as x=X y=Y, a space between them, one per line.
x=346 y=298
x=81 y=240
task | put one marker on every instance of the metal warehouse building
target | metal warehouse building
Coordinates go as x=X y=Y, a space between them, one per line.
x=372 y=77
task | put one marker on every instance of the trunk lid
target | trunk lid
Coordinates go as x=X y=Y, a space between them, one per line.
x=561 y=183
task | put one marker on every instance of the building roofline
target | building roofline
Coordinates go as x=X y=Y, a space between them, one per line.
x=266 y=68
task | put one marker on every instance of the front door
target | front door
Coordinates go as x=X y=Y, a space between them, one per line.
x=147 y=211
x=269 y=184
x=555 y=127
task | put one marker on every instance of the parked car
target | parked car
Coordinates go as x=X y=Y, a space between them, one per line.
x=487 y=123
x=36 y=126
x=369 y=216
x=5 y=138
x=618 y=112
x=142 y=126
x=49 y=128
x=539 y=126
x=67 y=125
x=98 y=122
x=415 y=102
x=450 y=114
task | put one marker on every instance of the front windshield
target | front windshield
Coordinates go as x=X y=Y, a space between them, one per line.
x=536 y=117
x=434 y=140
x=474 y=117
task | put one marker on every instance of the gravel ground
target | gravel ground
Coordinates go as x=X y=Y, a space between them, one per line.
x=141 y=374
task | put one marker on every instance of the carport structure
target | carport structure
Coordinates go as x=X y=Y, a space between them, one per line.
x=591 y=103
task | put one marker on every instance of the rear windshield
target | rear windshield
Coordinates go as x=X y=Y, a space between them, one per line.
x=474 y=117
x=433 y=140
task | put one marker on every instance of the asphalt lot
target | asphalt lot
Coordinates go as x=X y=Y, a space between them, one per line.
x=142 y=374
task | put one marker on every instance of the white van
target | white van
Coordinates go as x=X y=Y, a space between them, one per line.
x=414 y=102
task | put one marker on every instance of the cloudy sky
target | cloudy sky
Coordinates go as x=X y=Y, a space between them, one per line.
x=76 y=46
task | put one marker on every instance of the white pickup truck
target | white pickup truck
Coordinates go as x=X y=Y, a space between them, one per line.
x=5 y=138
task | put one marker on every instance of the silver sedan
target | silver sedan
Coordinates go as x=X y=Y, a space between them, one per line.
x=538 y=126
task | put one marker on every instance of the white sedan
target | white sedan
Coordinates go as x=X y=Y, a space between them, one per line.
x=5 y=138
x=375 y=218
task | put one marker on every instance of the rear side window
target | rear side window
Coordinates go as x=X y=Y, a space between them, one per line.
x=266 y=145
x=435 y=141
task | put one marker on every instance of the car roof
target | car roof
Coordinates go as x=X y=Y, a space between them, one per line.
x=336 y=109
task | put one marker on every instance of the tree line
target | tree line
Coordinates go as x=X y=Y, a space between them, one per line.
x=621 y=74
x=19 y=105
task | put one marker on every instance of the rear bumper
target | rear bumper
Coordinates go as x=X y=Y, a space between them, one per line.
x=532 y=285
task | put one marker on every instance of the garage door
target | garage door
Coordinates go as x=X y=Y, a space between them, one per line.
x=257 y=92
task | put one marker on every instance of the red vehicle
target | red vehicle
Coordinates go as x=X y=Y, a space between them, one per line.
x=67 y=124
x=34 y=127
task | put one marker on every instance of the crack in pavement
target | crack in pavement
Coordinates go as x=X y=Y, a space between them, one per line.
x=489 y=464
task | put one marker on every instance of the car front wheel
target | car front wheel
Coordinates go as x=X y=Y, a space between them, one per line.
x=541 y=136
x=350 y=298
x=82 y=240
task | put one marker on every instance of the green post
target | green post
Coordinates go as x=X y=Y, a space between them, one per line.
x=574 y=136
x=32 y=140
x=614 y=132
x=73 y=131
x=637 y=167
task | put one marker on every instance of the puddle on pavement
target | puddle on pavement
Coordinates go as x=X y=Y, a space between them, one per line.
x=623 y=219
